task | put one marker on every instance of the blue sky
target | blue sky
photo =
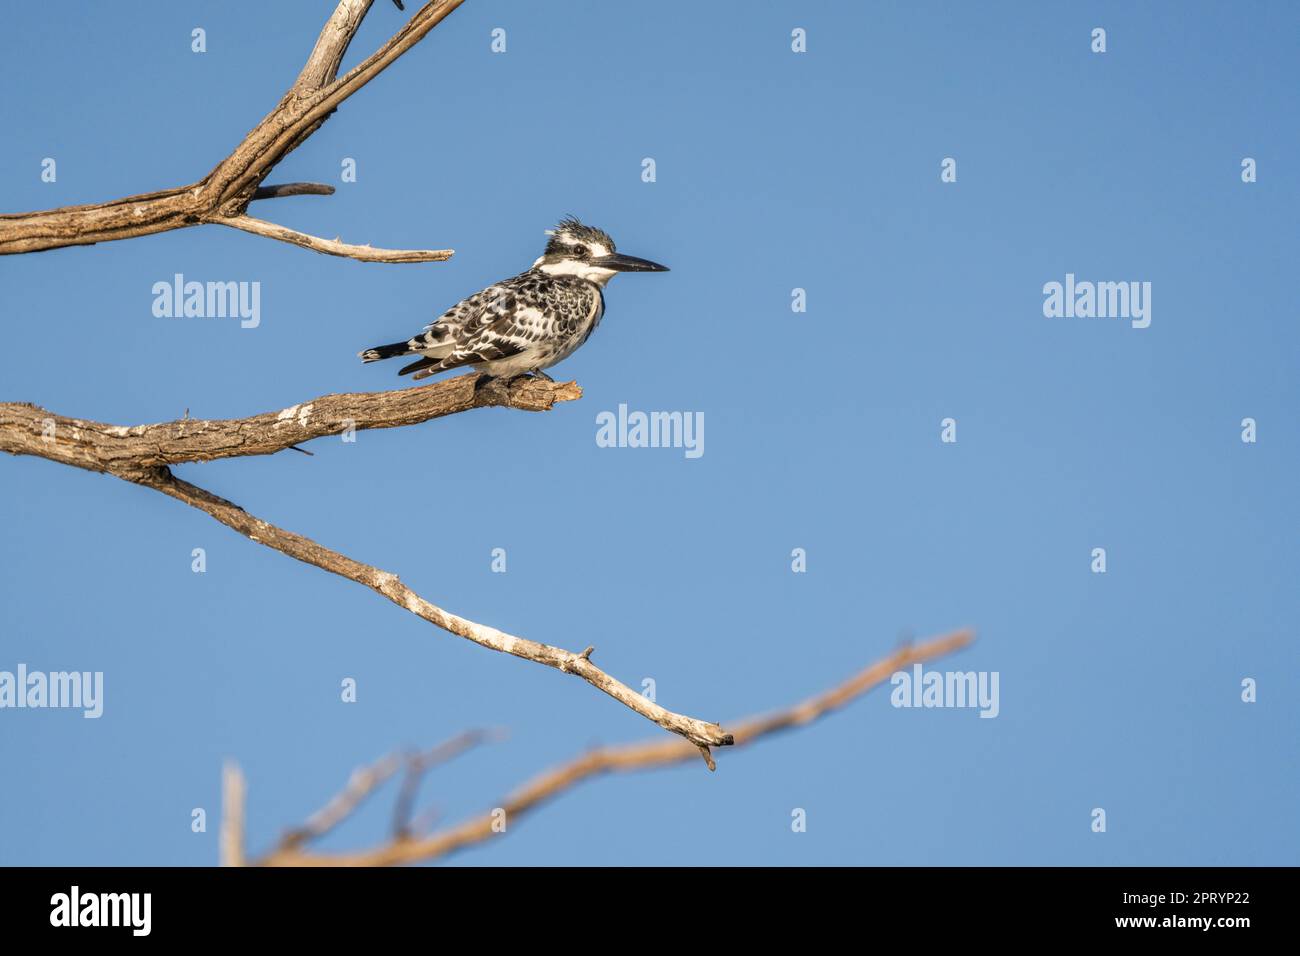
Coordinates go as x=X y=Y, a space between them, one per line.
x=775 y=170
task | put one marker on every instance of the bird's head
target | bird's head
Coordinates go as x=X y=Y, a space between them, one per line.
x=588 y=253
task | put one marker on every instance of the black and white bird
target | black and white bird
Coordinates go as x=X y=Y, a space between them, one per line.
x=526 y=323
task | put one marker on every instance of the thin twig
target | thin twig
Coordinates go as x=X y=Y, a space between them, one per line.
x=332 y=247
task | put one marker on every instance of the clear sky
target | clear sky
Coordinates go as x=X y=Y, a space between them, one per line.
x=775 y=170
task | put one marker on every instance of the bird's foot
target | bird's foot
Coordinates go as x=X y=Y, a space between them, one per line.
x=499 y=385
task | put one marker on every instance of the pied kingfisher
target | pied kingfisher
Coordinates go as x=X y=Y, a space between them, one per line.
x=526 y=323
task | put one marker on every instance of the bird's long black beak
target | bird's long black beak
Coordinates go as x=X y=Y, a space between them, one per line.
x=621 y=263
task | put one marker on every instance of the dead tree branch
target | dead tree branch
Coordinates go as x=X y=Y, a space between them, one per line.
x=142 y=454
x=702 y=734
x=404 y=848
x=331 y=247
x=116 y=449
x=223 y=195
x=292 y=189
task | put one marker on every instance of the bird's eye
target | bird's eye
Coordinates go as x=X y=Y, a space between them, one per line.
x=584 y=251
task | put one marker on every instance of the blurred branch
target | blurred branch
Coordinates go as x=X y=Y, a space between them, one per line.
x=642 y=756
x=418 y=766
x=223 y=195
x=231 y=841
x=366 y=780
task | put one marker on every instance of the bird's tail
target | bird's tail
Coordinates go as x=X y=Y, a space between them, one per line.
x=385 y=351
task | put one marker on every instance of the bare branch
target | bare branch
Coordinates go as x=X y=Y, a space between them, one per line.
x=631 y=757
x=322 y=66
x=332 y=247
x=224 y=194
x=31 y=430
x=701 y=733
x=141 y=455
x=424 y=20
x=292 y=189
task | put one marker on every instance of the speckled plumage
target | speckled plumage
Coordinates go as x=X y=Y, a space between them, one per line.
x=523 y=324
x=526 y=323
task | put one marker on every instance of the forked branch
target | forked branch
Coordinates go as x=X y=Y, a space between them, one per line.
x=223 y=195
x=141 y=454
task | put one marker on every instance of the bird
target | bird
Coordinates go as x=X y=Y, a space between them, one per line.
x=528 y=322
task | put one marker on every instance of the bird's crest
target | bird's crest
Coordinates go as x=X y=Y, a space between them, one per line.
x=569 y=232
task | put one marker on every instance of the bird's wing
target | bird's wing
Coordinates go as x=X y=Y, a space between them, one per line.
x=443 y=332
x=503 y=329
x=465 y=310
x=468 y=316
